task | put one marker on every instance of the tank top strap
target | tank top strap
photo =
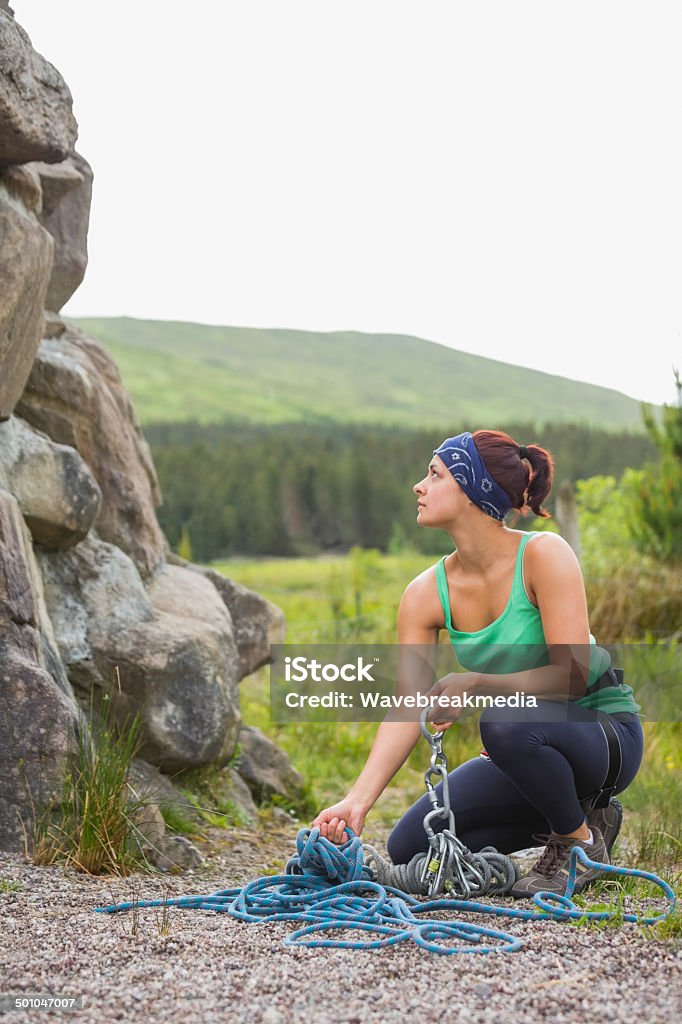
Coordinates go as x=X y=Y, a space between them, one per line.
x=443 y=594
x=518 y=591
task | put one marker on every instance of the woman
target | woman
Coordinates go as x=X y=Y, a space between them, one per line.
x=515 y=601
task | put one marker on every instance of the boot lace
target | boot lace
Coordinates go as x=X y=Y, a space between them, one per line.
x=554 y=855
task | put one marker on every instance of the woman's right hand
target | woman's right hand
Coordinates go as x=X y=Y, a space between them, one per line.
x=333 y=820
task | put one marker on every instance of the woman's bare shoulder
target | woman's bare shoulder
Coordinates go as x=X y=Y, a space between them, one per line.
x=420 y=599
x=548 y=554
x=552 y=545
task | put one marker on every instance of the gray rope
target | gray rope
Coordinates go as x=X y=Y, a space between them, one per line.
x=487 y=872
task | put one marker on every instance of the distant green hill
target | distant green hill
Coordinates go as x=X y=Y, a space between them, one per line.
x=182 y=371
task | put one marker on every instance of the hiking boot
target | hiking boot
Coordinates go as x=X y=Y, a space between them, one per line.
x=550 y=872
x=608 y=820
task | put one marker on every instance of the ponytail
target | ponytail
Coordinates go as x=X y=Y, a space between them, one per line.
x=526 y=472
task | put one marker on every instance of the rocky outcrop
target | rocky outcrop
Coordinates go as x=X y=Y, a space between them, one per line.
x=39 y=719
x=67 y=192
x=233 y=796
x=36 y=119
x=75 y=395
x=26 y=265
x=57 y=493
x=266 y=770
x=91 y=613
x=152 y=795
x=150 y=786
x=257 y=621
x=167 y=651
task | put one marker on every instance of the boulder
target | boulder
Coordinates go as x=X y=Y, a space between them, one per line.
x=39 y=719
x=26 y=266
x=74 y=394
x=151 y=791
x=221 y=792
x=36 y=119
x=93 y=593
x=266 y=769
x=233 y=794
x=67 y=193
x=57 y=493
x=174 y=854
x=257 y=622
x=32 y=629
x=151 y=786
x=167 y=651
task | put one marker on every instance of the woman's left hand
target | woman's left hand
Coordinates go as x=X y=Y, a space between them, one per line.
x=456 y=684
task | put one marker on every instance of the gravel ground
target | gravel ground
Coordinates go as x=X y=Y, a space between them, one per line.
x=209 y=967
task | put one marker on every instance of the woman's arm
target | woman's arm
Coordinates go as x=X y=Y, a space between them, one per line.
x=394 y=741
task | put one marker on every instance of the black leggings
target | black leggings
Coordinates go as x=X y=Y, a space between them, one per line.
x=544 y=760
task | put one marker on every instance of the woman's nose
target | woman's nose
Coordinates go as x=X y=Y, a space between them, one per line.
x=418 y=487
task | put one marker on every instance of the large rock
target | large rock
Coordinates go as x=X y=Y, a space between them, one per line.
x=75 y=395
x=26 y=264
x=22 y=575
x=36 y=119
x=39 y=720
x=93 y=593
x=150 y=786
x=67 y=193
x=233 y=797
x=167 y=652
x=257 y=622
x=57 y=493
x=266 y=769
x=151 y=793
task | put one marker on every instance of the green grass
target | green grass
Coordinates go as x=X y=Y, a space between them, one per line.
x=180 y=371
x=93 y=829
x=9 y=885
x=175 y=820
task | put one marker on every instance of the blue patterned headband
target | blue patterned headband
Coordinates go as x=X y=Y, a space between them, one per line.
x=462 y=458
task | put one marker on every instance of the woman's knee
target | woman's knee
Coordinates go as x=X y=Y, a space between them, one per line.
x=402 y=844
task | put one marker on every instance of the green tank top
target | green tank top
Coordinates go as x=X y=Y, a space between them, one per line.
x=516 y=641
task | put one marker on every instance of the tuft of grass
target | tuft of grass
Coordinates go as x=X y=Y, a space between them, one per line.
x=175 y=820
x=629 y=894
x=10 y=885
x=162 y=915
x=616 y=910
x=93 y=829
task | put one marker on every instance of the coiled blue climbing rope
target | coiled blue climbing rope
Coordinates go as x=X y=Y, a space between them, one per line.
x=327 y=888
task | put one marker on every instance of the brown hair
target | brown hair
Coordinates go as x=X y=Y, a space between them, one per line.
x=527 y=487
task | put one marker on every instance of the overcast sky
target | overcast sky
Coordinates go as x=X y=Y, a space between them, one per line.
x=501 y=177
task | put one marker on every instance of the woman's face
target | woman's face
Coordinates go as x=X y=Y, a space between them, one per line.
x=438 y=495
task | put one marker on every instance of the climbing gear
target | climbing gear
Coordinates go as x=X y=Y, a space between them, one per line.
x=325 y=889
x=328 y=887
x=448 y=864
x=608 y=820
x=550 y=872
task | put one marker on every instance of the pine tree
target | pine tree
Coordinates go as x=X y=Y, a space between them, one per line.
x=656 y=519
